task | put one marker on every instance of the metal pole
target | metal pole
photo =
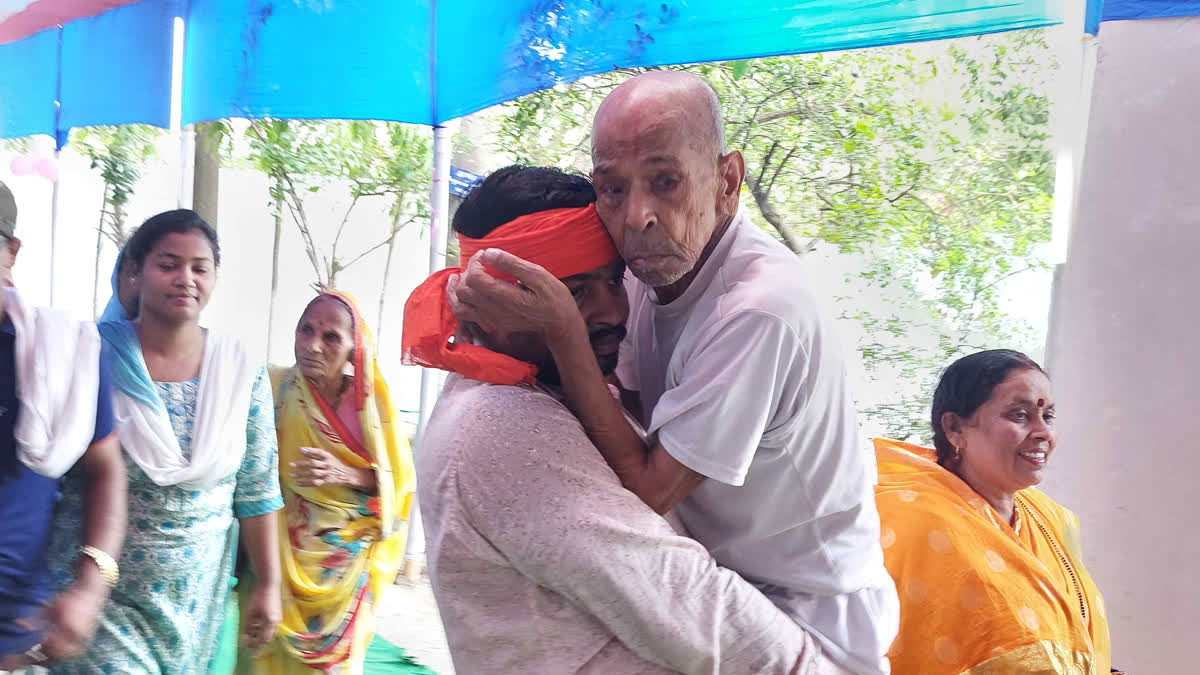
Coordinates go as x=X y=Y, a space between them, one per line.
x=187 y=159
x=183 y=189
x=60 y=139
x=439 y=202
x=54 y=226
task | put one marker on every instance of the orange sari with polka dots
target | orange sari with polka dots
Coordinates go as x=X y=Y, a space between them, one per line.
x=978 y=595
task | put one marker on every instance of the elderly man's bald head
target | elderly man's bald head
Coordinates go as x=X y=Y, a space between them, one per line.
x=660 y=93
x=666 y=187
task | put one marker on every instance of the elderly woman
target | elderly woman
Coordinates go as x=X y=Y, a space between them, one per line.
x=347 y=479
x=989 y=569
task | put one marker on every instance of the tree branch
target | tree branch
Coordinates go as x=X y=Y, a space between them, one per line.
x=367 y=252
x=981 y=289
x=777 y=115
x=762 y=170
x=342 y=226
x=296 y=207
x=779 y=169
x=772 y=216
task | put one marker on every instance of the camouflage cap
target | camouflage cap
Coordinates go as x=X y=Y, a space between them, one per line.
x=8 y=212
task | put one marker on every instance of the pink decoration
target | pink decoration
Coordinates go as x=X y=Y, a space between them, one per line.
x=47 y=167
x=22 y=165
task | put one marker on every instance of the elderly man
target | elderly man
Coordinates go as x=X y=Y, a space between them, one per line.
x=55 y=412
x=541 y=561
x=752 y=432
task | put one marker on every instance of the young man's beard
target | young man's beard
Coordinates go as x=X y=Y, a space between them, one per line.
x=548 y=371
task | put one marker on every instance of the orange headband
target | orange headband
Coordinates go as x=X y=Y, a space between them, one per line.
x=565 y=242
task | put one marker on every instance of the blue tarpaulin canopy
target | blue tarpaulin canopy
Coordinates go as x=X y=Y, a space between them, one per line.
x=1124 y=10
x=419 y=61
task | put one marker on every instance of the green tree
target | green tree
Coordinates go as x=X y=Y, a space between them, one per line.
x=394 y=163
x=376 y=160
x=945 y=191
x=300 y=157
x=120 y=153
x=16 y=145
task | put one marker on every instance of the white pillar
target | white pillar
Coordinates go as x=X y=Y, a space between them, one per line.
x=431 y=380
x=1068 y=118
x=1125 y=352
x=184 y=136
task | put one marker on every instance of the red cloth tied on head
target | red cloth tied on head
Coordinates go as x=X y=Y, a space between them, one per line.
x=565 y=242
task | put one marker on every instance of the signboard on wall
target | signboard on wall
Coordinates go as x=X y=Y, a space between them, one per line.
x=461 y=181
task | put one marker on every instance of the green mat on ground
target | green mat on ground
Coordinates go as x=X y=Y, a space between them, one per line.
x=383 y=657
x=386 y=658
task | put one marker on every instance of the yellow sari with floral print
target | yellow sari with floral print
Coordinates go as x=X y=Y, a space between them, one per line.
x=978 y=595
x=340 y=547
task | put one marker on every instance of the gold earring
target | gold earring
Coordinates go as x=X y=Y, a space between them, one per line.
x=957 y=453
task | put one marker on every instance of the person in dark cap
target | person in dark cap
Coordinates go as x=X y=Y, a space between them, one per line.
x=55 y=417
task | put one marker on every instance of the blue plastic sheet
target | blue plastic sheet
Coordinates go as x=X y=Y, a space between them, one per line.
x=320 y=58
x=1091 y=16
x=1119 y=10
x=114 y=68
x=352 y=59
x=425 y=61
x=28 y=84
x=117 y=66
x=1124 y=10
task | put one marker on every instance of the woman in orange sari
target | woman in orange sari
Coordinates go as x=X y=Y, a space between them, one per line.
x=989 y=569
x=347 y=478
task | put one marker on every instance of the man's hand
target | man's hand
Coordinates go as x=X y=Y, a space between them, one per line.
x=262 y=615
x=539 y=304
x=72 y=617
x=319 y=468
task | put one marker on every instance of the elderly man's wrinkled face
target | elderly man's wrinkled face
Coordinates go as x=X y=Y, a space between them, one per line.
x=661 y=191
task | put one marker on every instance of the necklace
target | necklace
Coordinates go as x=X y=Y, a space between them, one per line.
x=1062 y=556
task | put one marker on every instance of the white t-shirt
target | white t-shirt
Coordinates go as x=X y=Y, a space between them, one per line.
x=742 y=380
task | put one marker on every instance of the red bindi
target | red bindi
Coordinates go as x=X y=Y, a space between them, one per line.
x=1041 y=402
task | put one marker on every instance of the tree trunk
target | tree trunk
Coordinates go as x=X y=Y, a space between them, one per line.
x=206 y=173
x=383 y=292
x=275 y=266
x=331 y=278
x=99 y=248
x=118 y=225
x=772 y=216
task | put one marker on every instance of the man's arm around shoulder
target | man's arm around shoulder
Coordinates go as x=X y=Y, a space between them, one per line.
x=561 y=518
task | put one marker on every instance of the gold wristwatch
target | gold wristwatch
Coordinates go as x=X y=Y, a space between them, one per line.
x=108 y=566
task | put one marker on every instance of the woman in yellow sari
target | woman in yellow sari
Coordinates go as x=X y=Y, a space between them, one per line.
x=989 y=569
x=347 y=479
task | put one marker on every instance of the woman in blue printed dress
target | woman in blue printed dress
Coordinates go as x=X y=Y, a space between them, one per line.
x=196 y=422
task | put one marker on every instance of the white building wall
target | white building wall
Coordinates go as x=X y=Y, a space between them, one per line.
x=1125 y=333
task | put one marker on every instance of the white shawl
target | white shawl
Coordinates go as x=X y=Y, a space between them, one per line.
x=219 y=433
x=58 y=375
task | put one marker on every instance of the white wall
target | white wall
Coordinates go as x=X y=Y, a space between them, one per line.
x=1125 y=336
